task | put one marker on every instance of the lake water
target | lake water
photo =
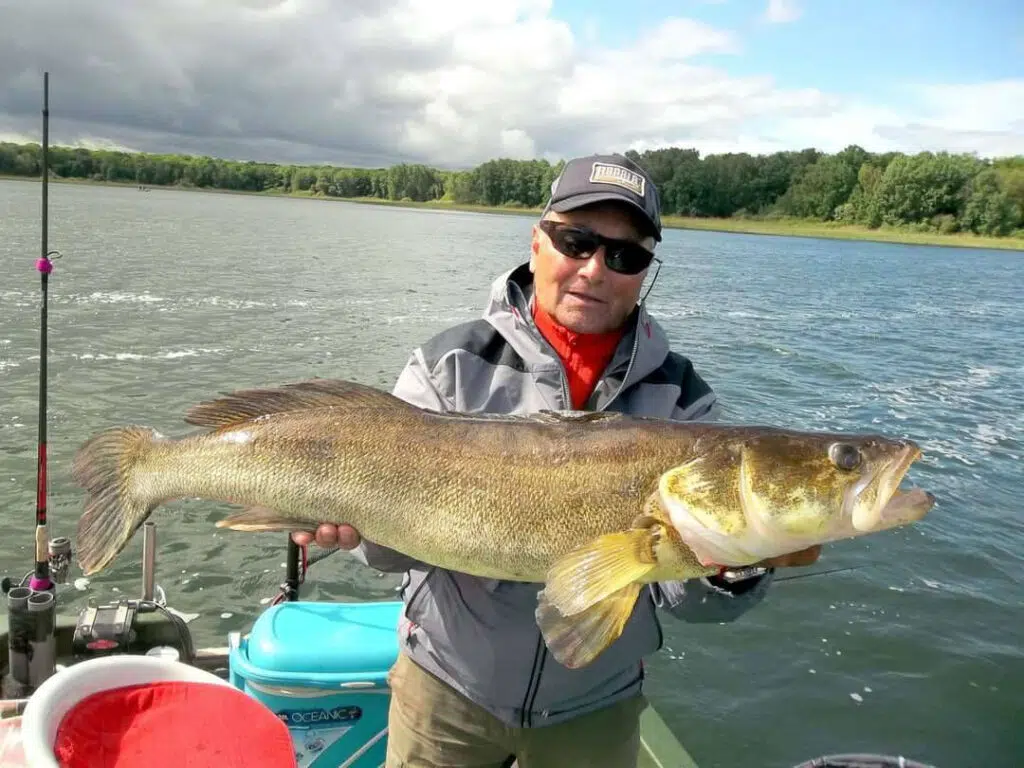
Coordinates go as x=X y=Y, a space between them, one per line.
x=165 y=298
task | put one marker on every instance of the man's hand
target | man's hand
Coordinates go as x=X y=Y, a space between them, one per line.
x=807 y=556
x=329 y=535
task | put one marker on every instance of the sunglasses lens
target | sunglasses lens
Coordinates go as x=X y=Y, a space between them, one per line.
x=577 y=243
x=628 y=260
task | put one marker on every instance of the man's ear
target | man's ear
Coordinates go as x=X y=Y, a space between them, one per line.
x=534 y=246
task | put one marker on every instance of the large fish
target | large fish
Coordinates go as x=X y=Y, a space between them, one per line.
x=594 y=505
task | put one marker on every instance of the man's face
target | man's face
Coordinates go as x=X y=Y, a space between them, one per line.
x=584 y=295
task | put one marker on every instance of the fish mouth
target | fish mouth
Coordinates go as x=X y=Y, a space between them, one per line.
x=906 y=507
x=893 y=506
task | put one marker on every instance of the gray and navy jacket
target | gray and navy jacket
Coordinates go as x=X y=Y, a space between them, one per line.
x=480 y=635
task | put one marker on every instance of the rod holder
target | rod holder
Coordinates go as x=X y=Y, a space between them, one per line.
x=16 y=681
x=42 y=663
x=148 y=559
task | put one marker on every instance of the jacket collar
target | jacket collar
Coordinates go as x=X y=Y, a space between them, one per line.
x=642 y=350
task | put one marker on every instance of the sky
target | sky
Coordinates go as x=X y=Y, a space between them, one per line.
x=453 y=83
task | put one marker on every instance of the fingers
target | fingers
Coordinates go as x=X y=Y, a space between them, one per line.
x=348 y=537
x=329 y=535
x=797 y=559
x=807 y=556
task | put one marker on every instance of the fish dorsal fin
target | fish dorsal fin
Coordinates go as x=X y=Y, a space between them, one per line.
x=579 y=417
x=538 y=417
x=245 y=404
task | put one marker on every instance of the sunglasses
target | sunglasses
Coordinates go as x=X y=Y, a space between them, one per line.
x=622 y=256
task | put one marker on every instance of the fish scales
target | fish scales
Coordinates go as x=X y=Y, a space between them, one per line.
x=491 y=498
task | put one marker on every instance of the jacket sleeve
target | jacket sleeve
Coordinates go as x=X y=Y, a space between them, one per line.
x=414 y=385
x=708 y=599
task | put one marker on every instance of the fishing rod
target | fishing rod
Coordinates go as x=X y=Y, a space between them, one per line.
x=41 y=577
x=31 y=609
x=45 y=550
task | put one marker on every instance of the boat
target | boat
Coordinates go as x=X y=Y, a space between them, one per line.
x=306 y=660
x=320 y=667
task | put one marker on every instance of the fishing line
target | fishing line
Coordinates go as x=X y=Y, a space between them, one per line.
x=821 y=573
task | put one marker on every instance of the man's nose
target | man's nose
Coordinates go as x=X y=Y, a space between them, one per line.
x=594 y=267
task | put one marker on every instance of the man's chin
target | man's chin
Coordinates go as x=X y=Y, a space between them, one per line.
x=594 y=319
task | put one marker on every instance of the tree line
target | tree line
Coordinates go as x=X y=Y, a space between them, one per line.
x=927 y=191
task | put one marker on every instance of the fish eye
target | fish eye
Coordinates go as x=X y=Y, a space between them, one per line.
x=844 y=456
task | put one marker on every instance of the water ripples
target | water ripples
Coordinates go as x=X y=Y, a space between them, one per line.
x=148 y=317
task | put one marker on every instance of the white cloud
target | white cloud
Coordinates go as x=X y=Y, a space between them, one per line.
x=980 y=117
x=675 y=39
x=447 y=82
x=997 y=103
x=782 y=11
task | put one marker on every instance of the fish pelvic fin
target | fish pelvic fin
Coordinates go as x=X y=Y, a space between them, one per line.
x=599 y=568
x=103 y=466
x=243 y=405
x=261 y=519
x=577 y=640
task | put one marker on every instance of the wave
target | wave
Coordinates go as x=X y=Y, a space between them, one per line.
x=171 y=354
x=166 y=355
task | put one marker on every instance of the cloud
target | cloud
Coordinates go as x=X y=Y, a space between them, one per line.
x=782 y=11
x=446 y=82
x=981 y=117
x=976 y=118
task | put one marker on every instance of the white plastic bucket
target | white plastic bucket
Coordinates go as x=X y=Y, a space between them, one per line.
x=61 y=692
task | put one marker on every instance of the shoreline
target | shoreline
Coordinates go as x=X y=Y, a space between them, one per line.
x=807 y=228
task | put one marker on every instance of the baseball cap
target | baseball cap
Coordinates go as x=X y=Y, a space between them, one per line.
x=607 y=178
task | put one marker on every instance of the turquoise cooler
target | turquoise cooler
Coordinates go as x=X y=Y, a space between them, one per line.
x=322 y=668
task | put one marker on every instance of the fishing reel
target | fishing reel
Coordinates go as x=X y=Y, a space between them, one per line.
x=58 y=560
x=59 y=555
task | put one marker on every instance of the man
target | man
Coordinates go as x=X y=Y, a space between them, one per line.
x=474 y=684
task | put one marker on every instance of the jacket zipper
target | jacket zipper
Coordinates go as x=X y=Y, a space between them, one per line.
x=534 y=683
x=541 y=652
x=527 y=713
x=629 y=368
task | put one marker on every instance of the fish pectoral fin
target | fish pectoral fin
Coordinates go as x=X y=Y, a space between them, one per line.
x=257 y=519
x=577 y=640
x=236 y=407
x=600 y=568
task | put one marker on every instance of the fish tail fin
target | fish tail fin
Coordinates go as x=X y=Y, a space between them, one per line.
x=114 y=510
x=589 y=594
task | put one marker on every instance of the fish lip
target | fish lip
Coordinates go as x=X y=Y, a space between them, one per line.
x=906 y=507
x=890 y=499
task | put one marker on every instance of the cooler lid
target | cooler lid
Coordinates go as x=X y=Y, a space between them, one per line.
x=343 y=639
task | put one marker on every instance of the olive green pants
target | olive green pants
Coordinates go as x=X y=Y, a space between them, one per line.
x=433 y=726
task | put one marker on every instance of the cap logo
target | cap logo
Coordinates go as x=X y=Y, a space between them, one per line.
x=607 y=173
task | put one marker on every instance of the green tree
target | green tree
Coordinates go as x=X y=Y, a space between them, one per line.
x=989 y=210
